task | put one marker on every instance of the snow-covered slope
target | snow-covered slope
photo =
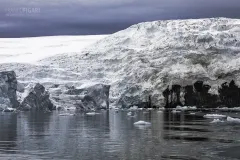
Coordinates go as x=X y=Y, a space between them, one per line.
x=31 y=50
x=144 y=58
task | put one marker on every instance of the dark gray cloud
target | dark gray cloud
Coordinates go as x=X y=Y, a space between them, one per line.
x=80 y=17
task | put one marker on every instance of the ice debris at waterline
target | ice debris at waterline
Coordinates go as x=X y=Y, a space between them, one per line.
x=175 y=111
x=233 y=120
x=142 y=123
x=212 y=116
x=92 y=113
x=185 y=108
x=129 y=113
x=7 y=109
x=228 y=120
x=66 y=114
x=217 y=121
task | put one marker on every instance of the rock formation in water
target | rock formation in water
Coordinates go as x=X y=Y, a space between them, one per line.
x=8 y=89
x=172 y=96
x=37 y=99
x=91 y=97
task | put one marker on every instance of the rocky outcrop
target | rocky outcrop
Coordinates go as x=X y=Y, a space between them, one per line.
x=198 y=95
x=172 y=96
x=8 y=88
x=92 y=97
x=37 y=99
x=229 y=94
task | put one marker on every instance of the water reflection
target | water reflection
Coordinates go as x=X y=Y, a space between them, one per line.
x=112 y=135
x=8 y=133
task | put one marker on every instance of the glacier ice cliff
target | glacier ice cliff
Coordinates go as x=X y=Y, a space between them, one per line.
x=145 y=58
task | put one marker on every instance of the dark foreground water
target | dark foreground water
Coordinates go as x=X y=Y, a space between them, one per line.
x=112 y=135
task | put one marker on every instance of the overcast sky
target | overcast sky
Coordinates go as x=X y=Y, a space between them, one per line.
x=23 y=18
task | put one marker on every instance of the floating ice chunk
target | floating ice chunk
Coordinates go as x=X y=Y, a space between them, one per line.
x=175 y=111
x=214 y=116
x=150 y=109
x=234 y=120
x=142 y=123
x=159 y=111
x=162 y=108
x=71 y=108
x=66 y=114
x=186 y=108
x=229 y=109
x=92 y=113
x=192 y=113
x=217 y=121
x=8 y=109
x=133 y=108
x=129 y=113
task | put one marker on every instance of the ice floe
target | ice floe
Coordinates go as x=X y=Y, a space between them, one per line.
x=142 y=123
x=186 y=108
x=217 y=121
x=213 y=116
x=233 y=120
x=66 y=114
x=92 y=113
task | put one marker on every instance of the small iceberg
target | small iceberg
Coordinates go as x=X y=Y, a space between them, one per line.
x=71 y=108
x=162 y=109
x=214 y=116
x=185 y=108
x=159 y=111
x=150 y=109
x=92 y=113
x=142 y=123
x=129 y=113
x=66 y=114
x=217 y=121
x=133 y=108
x=8 y=109
x=175 y=111
x=233 y=120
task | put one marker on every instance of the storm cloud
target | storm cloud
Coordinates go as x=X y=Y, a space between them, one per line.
x=25 y=18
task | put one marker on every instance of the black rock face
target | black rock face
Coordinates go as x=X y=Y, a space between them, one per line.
x=172 y=96
x=198 y=95
x=92 y=97
x=8 y=88
x=229 y=94
x=37 y=99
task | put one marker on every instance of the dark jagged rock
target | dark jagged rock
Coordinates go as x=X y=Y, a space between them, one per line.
x=8 y=88
x=194 y=95
x=92 y=97
x=37 y=99
x=189 y=96
x=229 y=94
x=172 y=96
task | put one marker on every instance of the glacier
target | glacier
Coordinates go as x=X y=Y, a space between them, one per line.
x=137 y=62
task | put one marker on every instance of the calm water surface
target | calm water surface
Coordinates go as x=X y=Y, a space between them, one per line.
x=112 y=135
